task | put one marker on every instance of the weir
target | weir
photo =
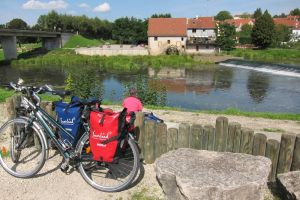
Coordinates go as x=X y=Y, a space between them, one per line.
x=276 y=69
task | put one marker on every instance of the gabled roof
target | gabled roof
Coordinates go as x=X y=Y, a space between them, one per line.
x=202 y=23
x=286 y=22
x=240 y=22
x=290 y=17
x=165 y=27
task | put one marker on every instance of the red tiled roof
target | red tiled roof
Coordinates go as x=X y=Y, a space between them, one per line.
x=290 y=17
x=202 y=22
x=239 y=22
x=286 y=22
x=167 y=27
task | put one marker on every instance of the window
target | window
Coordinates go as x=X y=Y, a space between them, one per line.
x=203 y=30
x=194 y=30
x=169 y=41
x=207 y=46
x=197 y=48
x=182 y=39
x=155 y=38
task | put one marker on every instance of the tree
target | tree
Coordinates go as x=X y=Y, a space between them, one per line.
x=2 y=25
x=223 y=15
x=17 y=24
x=295 y=12
x=257 y=13
x=226 y=36
x=283 y=34
x=282 y=15
x=129 y=30
x=245 y=15
x=263 y=31
x=245 y=34
x=166 y=15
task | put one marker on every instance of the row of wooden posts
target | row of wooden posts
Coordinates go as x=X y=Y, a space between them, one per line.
x=156 y=139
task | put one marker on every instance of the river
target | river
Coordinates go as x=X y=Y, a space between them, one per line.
x=248 y=86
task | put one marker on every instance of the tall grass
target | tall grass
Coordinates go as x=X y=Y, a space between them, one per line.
x=285 y=56
x=68 y=58
x=1 y=55
x=80 y=41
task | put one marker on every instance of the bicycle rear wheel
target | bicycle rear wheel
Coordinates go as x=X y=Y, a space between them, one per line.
x=22 y=148
x=108 y=177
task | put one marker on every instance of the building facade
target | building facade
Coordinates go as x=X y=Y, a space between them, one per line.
x=164 y=33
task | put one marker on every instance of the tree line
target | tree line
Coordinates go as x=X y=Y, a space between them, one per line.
x=263 y=34
x=125 y=30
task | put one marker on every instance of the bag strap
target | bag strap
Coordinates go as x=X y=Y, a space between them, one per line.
x=121 y=124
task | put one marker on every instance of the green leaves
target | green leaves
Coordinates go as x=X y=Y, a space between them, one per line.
x=226 y=36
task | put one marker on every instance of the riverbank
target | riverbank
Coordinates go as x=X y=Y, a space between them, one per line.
x=68 y=58
x=282 y=56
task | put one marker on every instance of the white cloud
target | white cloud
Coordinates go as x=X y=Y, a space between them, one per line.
x=36 y=4
x=105 y=7
x=84 y=5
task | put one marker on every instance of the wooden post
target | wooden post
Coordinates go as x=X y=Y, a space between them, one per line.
x=10 y=107
x=247 y=141
x=172 y=138
x=184 y=136
x=211 y=137
x=259 y=144
x=232 y=132
x=140 y=131
x=161 y=144
x=221 y=134
x=286 y=152
x=205 y=138
x=272 y=152
x=296 y=156
x=237 y=138
x=149 y=141
x=195 y=139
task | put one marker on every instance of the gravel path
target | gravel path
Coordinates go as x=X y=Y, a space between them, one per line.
x=51 y=183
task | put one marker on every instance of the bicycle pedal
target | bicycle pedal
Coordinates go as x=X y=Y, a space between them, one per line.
x=64 y=167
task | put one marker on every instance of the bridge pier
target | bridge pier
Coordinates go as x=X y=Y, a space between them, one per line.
x=9 y=45
x=52 y=43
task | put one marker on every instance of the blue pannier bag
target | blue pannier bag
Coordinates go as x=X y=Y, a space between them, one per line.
x=152 y=117
x=68 y=115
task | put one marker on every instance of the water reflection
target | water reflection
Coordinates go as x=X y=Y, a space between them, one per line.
x=258 y=86
x=217 y=88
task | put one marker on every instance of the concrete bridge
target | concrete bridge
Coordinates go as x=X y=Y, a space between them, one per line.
x=50 y=40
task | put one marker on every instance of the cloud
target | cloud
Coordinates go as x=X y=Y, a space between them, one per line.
x=105 y=7
x=50 y=5
x=84 y=5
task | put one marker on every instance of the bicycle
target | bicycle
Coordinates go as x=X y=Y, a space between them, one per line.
x=26 y=152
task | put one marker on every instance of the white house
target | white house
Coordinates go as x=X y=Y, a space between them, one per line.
x=166 y=32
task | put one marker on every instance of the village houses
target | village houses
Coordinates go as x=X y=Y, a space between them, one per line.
x=198 y=35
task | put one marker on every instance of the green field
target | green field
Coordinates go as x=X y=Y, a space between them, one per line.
x=1 y=55
x=80 y=41
x=285 y=56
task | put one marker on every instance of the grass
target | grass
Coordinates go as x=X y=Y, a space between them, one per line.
x=80 y=41
x=143 y=195
x=67 y=58
x=285 y=56
x=273 y=130
x=1 y=55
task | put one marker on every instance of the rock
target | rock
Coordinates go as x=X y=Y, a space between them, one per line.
x=199 y=174
x=289 y=183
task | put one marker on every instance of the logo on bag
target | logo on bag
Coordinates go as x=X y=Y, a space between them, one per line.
x=67 y=121
x=101 y=135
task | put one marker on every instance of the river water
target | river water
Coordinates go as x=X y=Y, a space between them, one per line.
x=248 y=86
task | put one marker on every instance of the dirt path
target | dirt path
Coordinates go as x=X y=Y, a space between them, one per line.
x=52 y=184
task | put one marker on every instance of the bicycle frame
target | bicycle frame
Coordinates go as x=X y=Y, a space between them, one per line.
x=45 y=120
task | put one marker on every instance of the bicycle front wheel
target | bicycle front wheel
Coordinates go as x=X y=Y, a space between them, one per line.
x=109 y=177
x=22 y=148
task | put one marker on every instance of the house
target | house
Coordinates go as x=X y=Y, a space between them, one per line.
x=201 y=35
x=293 y=22
x=166 y=32
x=239 y=22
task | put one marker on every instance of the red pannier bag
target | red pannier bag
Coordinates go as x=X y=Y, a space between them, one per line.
x=106 y=128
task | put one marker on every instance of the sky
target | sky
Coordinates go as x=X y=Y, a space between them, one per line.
x=30 y=10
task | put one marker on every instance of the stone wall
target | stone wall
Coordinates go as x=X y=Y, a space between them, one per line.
x=113 y=50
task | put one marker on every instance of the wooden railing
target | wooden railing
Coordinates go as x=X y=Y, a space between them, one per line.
x=156 y=139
